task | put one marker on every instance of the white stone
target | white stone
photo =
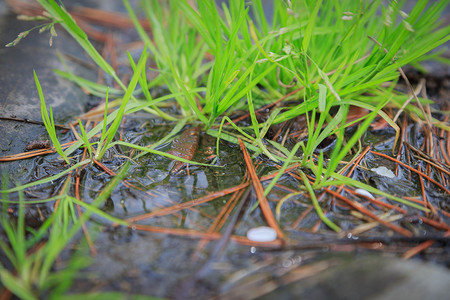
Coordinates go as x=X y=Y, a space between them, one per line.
x=262 y=234
x=383 y=171
x=364 y=193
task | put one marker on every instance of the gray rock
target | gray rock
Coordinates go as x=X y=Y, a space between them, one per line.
x=18 y=94
x=371 y=277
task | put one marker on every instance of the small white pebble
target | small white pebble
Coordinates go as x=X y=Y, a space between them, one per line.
x=262 y=234
x=383 y=171
x=364 y=193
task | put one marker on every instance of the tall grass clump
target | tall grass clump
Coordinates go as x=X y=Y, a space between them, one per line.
x=319 y=57
x=324 y=50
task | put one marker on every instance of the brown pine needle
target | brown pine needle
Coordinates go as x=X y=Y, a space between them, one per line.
x=368 y=213
x=421 y=247
x=34 y=153
x=263 y=203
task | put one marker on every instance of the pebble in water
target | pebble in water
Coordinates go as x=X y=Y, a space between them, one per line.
x=383 y=171
x=262 y=234
x=364 y=193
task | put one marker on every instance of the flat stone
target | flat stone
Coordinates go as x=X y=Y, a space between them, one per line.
x=18 y=93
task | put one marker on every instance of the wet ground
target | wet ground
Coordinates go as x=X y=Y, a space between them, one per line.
x=171 y=256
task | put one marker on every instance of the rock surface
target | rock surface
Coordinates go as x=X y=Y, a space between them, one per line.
x=372 y=277
x=18 y=94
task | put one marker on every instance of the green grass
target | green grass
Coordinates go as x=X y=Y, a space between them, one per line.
x=49 y=123
x=324 y=46
x=33 y=254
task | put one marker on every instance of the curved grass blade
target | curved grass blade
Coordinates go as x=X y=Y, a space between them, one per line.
x=316 y=205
